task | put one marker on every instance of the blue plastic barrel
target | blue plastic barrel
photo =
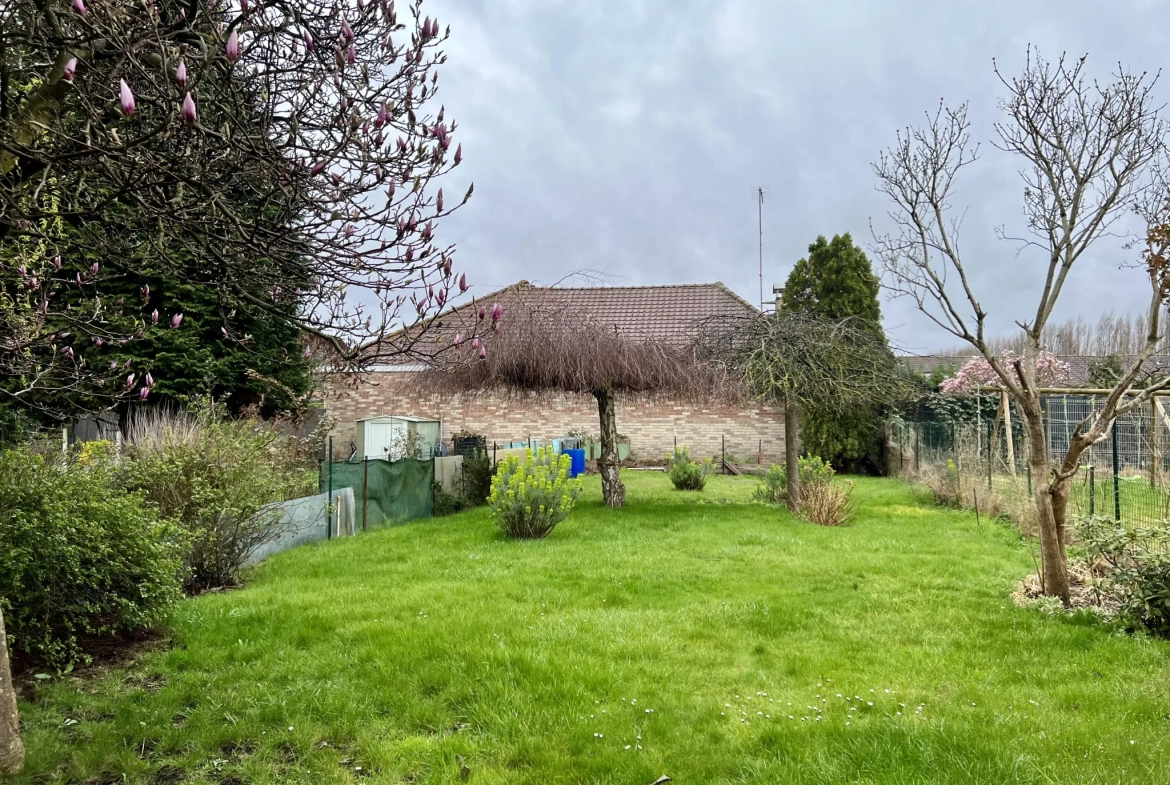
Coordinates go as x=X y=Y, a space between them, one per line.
x=576 y=462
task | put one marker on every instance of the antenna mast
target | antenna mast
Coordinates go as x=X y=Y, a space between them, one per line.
x=760 y=194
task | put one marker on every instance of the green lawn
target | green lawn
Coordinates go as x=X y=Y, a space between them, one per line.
x=717 y=642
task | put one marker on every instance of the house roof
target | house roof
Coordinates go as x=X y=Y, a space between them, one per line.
x=667 y=313
x=1080 y=366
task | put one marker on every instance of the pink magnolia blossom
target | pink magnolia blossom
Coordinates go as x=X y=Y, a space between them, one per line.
x=70 y=69
x=176 y=320
x=462 y=283
x=188 y=110
x=145 y=391
x=130 y=380
x=458 y=154
x=181 y=74
x=149 y=380
x=127 y=98
x=977 y=372
x=154 y=316
x=497 y=312
x=79 y=7
x=483 y=352
x=232 y=49
x=475 y=343
x=458 y=339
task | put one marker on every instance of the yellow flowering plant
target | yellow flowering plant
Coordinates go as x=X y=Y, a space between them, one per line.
x=528 y=499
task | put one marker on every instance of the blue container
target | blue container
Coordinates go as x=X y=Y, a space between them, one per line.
x=576 y=462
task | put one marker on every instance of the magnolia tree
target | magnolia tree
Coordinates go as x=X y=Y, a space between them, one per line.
x=291 y=148
x=978 y=374
x=1091 y=153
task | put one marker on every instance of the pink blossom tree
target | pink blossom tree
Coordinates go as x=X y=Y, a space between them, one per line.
x=978 y=373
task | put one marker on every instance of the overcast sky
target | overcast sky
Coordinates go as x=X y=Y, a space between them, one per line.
x=628 y=137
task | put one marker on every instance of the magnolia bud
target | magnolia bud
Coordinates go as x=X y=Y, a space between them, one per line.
x=462 y=283
x=483 y=352
x=56 y=263
x=439 y=201
x=188 y=110
x=482 y=313
x=127 y=98
x=70 y=70
x=458 y=339
x=497 y=312
x=149 y=380
x=308 y=42
x=475 y=343
x=181 y=74
x=143 y=393
x=93 y=268
x=154 y=316
x=130 y=380
x=176 y=320
x=458 y=154
x=232 y=49
x=79 y=7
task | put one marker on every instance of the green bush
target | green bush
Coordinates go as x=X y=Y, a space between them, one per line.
x=215 y=477
x=445 y=502
x=686 y=474
x=80 y=556
x=774 y=486
x=477 y=477
x=1140 y=576
x=529 y=499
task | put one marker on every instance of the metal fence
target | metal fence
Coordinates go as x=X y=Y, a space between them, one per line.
x=1125 y=476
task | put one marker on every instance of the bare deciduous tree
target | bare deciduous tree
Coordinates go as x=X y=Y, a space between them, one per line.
x=1091 y=152
x=798 y=359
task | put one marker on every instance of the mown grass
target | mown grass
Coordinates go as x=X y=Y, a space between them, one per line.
x=707 y=642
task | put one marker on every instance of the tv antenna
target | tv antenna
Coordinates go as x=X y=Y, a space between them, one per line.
x=760 y=191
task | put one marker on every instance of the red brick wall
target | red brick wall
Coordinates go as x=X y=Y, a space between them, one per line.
x=651 y=423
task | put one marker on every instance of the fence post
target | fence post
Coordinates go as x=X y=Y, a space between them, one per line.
x=1116 y=479
x=365 y=484
x=989 y=462
x=723 y=452
x=329 y=498
x=1092 y=491
x=917 y=444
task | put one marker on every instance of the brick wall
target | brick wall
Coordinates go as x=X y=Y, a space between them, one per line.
x=652 y=423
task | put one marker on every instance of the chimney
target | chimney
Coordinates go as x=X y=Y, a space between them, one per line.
x=778 y=293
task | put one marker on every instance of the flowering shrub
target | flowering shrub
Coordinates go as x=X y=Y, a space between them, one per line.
x=687 y=475
x=977 y=372
x=529 y=499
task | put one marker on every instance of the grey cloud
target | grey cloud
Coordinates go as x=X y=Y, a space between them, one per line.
x=629 y=137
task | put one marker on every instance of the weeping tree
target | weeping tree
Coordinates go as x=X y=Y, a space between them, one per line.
x=1091 y=153
x=797 y=359
x=552 y=349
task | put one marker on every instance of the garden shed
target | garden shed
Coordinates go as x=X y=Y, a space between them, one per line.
x=395 y=436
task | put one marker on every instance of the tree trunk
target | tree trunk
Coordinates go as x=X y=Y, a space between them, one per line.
x=792 y=453
x=1049 y=522
x=11 y=747
x=612 y=489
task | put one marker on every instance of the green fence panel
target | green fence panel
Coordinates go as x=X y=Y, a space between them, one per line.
x=394 y=491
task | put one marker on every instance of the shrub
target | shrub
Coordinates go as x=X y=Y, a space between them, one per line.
x=215 y=477
x=80 y=556
x=445 y=502
x=826 y=503
x=477 y=477
x=686 y=474
x=1140 y=575
x=529 y=499
x=774 y=489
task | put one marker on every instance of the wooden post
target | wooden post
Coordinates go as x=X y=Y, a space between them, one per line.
x=1006 y=403
x=1154 y=468
x=365 y=485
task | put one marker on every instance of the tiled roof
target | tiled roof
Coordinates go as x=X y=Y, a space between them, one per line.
x=665 y=313
x=1079 y=365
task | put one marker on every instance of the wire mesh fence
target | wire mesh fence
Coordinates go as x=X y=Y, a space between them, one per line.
x=984 y=463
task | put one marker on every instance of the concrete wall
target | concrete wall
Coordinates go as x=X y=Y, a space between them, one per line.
x=651 y=423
